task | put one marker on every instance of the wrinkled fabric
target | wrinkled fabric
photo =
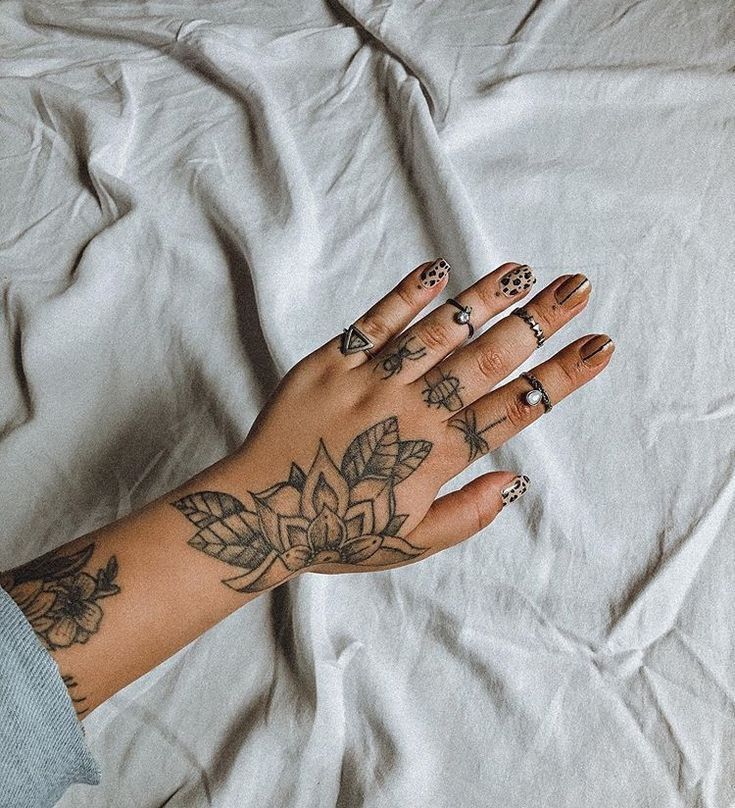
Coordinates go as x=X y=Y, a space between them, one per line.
x=194 y=196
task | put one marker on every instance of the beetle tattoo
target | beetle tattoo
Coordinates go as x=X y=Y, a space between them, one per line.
x=393 y=363
x=442 y=390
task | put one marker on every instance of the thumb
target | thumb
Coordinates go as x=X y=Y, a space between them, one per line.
x=462 y=513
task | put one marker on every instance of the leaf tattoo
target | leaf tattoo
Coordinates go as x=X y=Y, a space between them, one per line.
x=76 y=699
x=330 y=513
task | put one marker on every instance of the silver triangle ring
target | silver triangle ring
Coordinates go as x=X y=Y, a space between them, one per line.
x=354 y=341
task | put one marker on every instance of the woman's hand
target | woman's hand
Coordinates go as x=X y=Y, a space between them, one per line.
x=339 y=474
x=344 y=463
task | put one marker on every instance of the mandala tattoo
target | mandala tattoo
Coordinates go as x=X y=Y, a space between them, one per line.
x=393 y=363
x=442 y=390
x=59 y=599
x=344 y=514
x=467 y=425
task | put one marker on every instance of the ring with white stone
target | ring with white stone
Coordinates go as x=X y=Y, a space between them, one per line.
x=538 y=394
x=463 y=315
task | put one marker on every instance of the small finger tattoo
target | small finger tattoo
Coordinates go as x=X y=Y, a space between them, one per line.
x=467 y=425
x=408 y=349
x=517 y=280
x=432 y=274
x=442 y=390
x=517 y=488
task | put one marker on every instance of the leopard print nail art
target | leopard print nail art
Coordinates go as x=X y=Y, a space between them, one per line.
x=517 y=281
x=433 y=274
x=516 y=489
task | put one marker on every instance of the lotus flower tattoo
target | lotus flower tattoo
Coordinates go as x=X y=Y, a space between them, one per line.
x=331 y=513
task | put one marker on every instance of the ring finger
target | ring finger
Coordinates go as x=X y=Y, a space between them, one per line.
x=499 y=415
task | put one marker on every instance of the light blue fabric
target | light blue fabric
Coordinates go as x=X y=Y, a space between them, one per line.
x=42 y=745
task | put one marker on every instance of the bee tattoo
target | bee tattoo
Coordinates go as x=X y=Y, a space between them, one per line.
x=442 y=390
x=472 y=435
x=393 y=363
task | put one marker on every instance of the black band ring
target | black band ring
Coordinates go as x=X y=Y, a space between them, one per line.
x=463 y=315
x=526 y=315
x=538 y=394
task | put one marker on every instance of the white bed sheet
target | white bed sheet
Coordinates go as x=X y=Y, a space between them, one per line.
x=194 y=195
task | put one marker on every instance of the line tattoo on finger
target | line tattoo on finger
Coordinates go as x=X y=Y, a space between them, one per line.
x=405 y=351
x=467 y=425
x=442 y=390
x=342 y=514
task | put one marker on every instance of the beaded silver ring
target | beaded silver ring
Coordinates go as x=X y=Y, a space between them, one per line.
x=526 y=315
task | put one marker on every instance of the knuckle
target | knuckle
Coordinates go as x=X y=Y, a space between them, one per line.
x=572 y=372
x=376 y=326
x=490 y=362
x=405 y=295
x=485 y=292
x=482 y=515
x=435 y=336
x=519 y=413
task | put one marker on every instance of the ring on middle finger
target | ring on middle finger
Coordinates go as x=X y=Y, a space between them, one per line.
x=463 y=315
x=526 y=315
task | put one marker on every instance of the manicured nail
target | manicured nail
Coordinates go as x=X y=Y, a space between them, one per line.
x=597 y=349
x=516 y=488
x=573 y=290
x=434 y=273
x=517 y=280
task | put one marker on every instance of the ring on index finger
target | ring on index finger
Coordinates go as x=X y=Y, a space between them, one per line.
x=354 y=341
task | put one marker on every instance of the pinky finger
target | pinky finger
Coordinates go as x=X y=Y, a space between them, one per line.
x=460 y=514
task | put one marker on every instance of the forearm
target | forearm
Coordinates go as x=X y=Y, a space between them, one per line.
x=114 y=603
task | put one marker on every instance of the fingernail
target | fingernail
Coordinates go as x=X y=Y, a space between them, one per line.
x=597 y=349
x=517 y=280
x=573 y=290
x=516 y=488
x=432 y=274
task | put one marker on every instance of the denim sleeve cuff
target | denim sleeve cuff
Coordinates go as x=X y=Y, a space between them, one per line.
x=42 y=745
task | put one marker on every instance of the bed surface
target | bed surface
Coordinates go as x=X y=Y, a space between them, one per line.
x=195 y=195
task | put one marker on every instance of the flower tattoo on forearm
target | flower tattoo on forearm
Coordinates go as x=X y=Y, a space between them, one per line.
x=330 y=513
x=59 y=599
